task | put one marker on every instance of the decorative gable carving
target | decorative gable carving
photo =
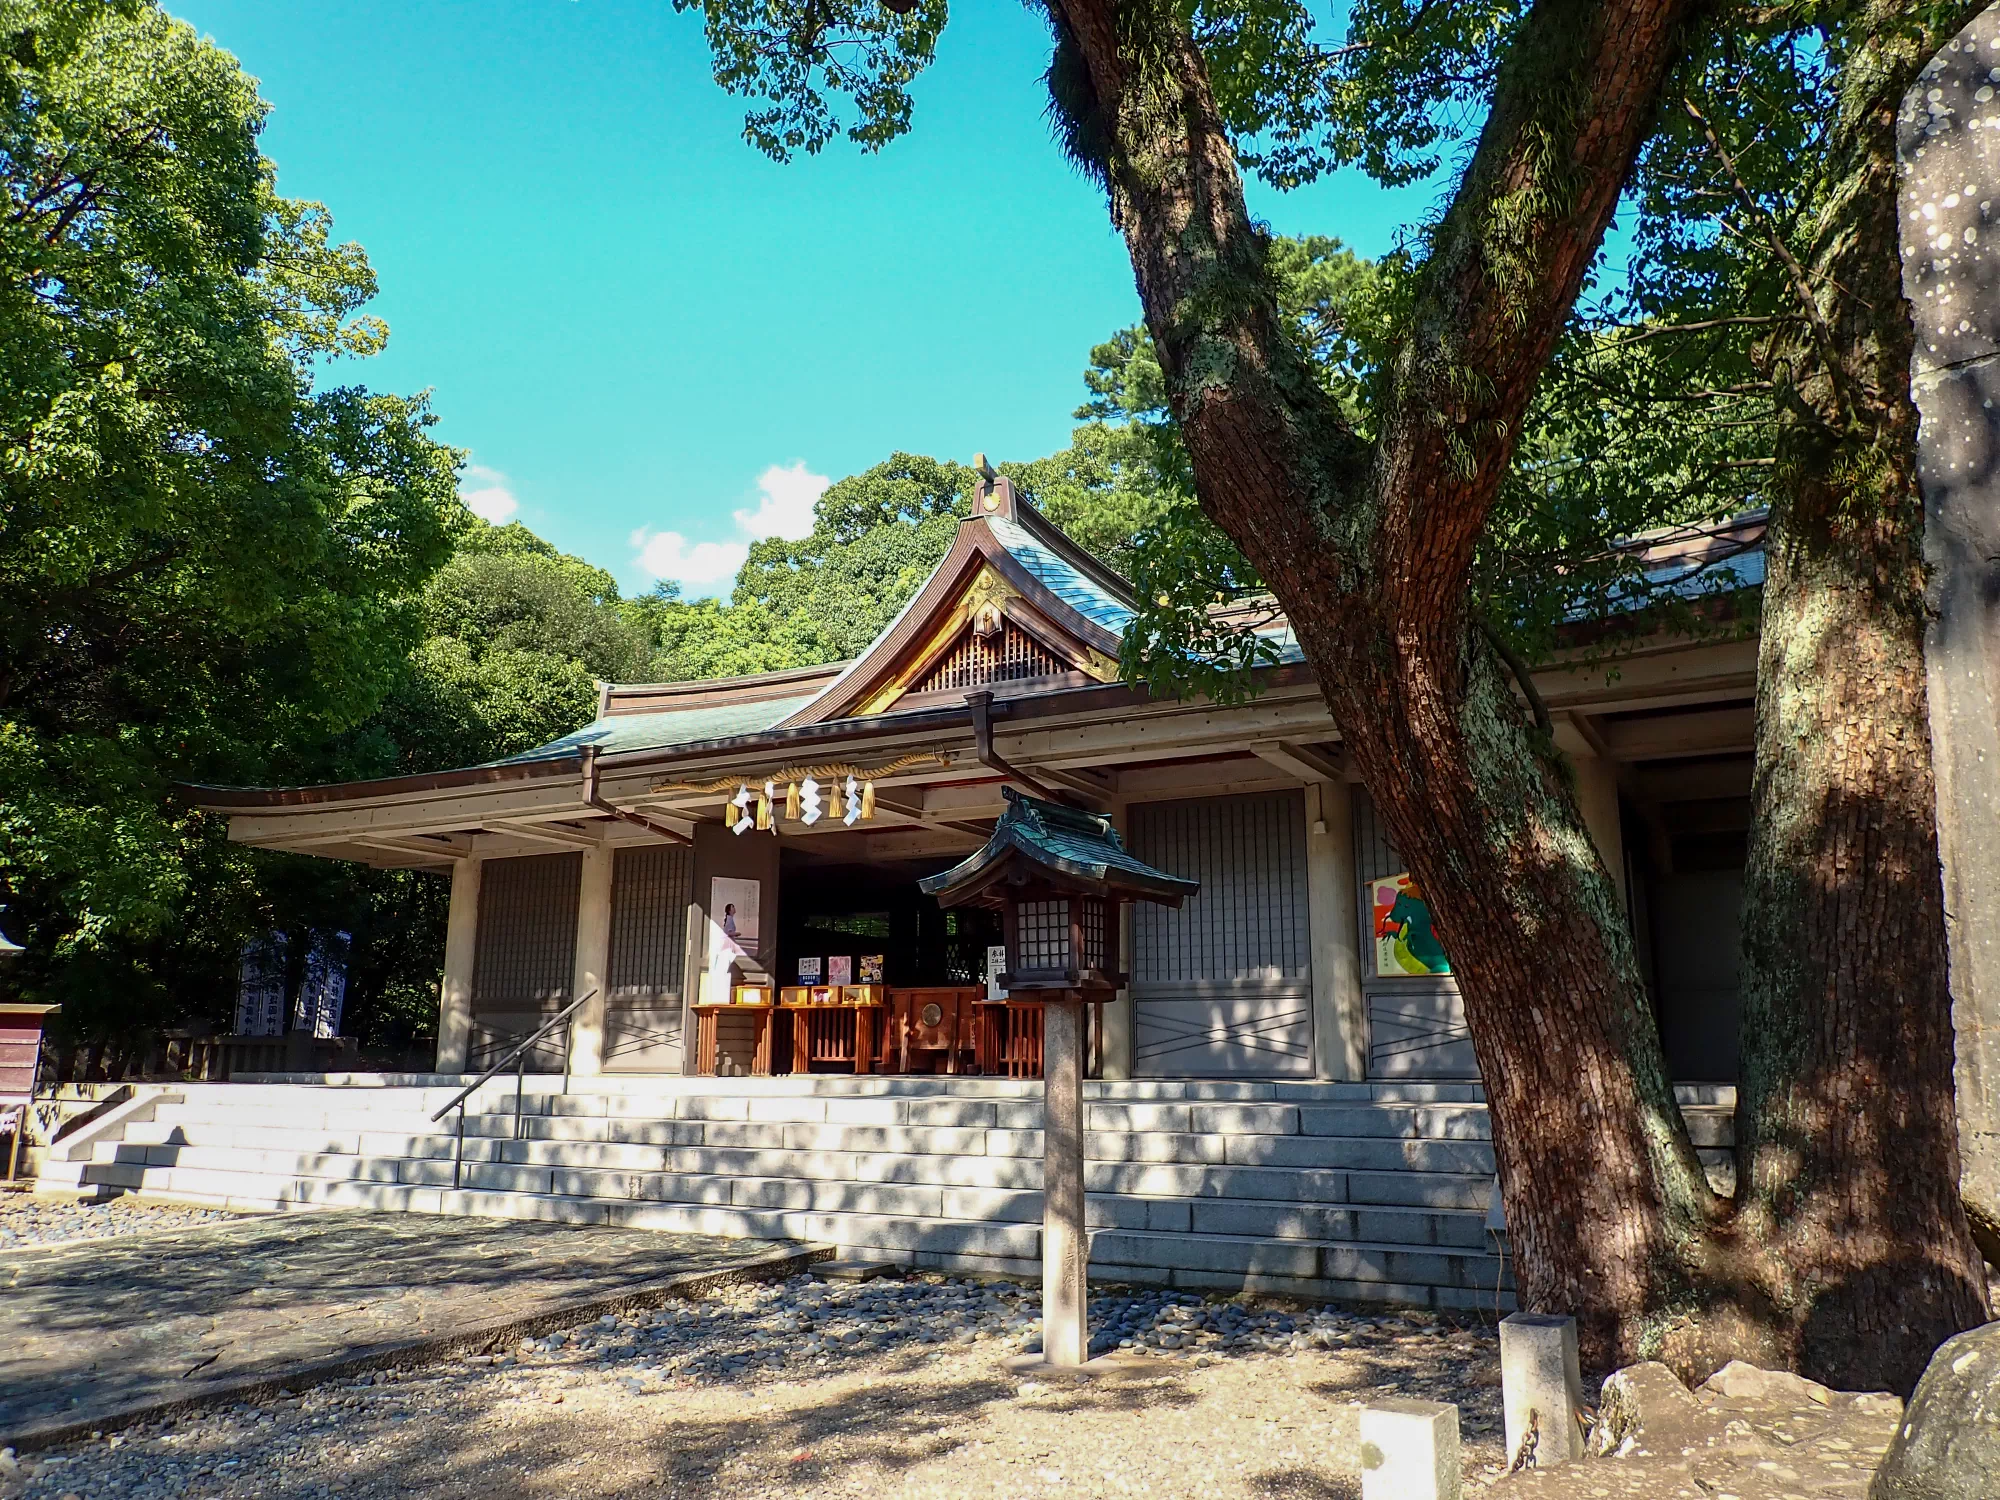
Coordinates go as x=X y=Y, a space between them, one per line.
x=1003 y=653
x=1013 y=601
x=988 y=634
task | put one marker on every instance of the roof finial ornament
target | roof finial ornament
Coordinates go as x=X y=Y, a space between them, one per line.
x=993 y=495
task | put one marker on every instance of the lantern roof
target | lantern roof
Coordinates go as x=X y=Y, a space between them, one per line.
x=1064 y=845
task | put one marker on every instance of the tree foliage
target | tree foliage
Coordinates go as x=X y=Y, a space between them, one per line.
x=209 y=556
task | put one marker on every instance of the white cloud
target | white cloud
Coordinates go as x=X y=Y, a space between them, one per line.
x=666 y=554
x=786 y=494
x=489 y=498
x=786 y=508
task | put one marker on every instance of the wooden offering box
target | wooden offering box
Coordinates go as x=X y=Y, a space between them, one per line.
x=752 y=994
x=861 y=994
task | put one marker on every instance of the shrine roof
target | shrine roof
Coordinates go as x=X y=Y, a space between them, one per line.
x=1068 y=841
x=1058 y=571
x=663 y=730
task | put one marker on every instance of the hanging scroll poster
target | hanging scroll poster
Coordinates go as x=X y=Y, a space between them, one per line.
x=732 y=923
x=1404 y=942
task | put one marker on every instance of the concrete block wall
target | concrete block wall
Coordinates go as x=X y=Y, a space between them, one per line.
x=1355 y=1191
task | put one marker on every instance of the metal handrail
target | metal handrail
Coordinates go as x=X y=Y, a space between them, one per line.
x=518 y=1057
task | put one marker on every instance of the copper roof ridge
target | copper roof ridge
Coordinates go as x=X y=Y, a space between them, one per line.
x=701 y=689
x=1074 y=553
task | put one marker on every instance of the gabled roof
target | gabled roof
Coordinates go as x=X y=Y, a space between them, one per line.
x=1073 y=847
x=1006 y=559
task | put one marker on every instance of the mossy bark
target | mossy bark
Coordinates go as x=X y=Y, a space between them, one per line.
x=1846 y=1133
x=1369 y=547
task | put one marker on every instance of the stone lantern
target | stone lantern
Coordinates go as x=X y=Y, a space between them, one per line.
x=1058 y=876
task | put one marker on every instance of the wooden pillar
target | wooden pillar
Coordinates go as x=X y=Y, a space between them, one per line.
x=1119 y=1024
x=593 y=954
x=1597 y=799
x=1333 y=903
x=1955 y=379
x=461 y=944
x=1065 y=1242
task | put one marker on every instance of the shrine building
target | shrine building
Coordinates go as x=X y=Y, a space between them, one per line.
x=768 y=1028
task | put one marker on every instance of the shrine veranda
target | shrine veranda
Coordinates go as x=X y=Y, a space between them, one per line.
x=772 y=1031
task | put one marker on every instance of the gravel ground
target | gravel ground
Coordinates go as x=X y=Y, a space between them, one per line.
x=26 y=1219
x=811 y=1388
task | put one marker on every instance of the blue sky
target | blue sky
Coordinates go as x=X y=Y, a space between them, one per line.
x=654 y=342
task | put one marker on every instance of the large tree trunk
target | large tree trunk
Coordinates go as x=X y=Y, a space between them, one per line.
x=1846 y=1133
x=1369 y=548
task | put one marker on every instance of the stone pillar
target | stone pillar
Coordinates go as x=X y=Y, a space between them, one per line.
x=1120 y=1026
x=461 y=944
x=1541 y=1387
x=1409 y=1451
x=1948 y=143
x=1597 y=799
x=593 y=954
x=1065 y=1242
x=1333 y=905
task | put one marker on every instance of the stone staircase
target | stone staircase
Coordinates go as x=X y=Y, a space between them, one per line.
x=1374 y=1192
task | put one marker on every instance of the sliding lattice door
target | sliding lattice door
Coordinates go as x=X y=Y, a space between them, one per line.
x=650 y=891
x=1222 y=988
x=525 y=956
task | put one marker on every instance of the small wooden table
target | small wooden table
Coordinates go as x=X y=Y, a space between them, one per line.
x=842 y=1033
x=707 y=1039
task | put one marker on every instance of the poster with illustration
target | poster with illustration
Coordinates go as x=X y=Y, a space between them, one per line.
x=871 y=967
x=732 y=923
x=840 y=969
x=1404 y=941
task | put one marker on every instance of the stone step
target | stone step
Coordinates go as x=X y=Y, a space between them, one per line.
x=1434 y=1275
x=274 y=1175
x=833 y=1085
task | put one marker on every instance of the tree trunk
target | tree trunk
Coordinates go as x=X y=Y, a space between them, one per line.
x=1369 y=548
x=1846 y=1132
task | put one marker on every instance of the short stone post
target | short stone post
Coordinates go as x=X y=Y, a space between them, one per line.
x=1065 y=1243
x=1409 y=1451
x=1541 y=1387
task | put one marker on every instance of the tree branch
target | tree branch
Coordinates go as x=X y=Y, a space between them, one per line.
x=1795 y=273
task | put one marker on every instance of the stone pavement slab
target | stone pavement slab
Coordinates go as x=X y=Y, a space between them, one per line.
x=95 y=1335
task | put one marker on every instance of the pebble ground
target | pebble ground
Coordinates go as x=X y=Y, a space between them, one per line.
x=29 y=1220
x=895 y=1390
x=812 y=1388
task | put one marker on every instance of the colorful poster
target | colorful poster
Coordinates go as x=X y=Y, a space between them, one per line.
x=732 y=922
x=840 y=969
x=1405 y=943
x=871 y=967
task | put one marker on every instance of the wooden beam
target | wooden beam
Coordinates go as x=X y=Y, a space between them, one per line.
x=1706 y=732
x=1303 y=761
x=560 y=834
x=1093 y=786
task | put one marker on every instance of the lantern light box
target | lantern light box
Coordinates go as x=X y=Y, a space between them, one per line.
x=1058 y=875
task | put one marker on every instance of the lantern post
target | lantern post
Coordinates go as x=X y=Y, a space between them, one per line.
x=1059 y=875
